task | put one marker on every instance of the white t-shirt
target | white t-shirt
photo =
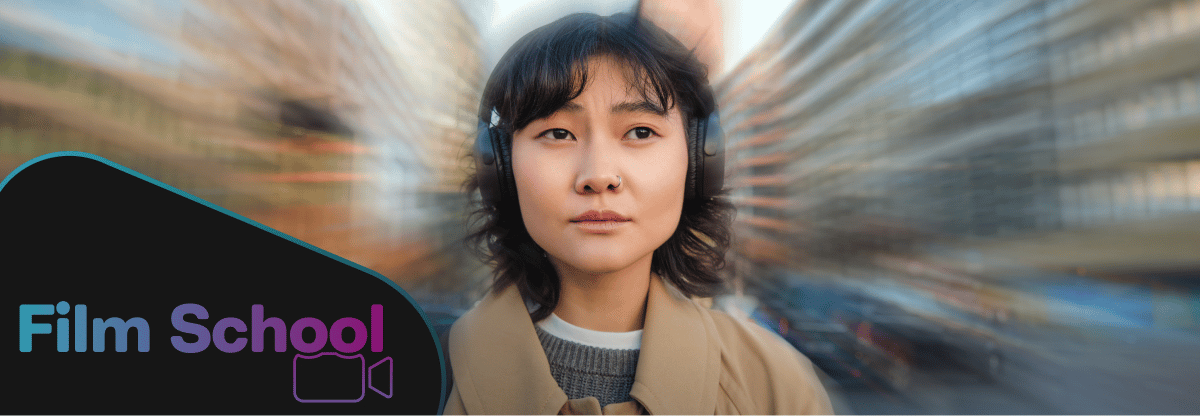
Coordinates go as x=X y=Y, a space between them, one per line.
x=554 y=325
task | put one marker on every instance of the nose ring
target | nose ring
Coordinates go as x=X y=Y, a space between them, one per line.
x=619 y=182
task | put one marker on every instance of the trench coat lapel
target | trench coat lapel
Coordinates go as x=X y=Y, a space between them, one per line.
x=679 y=366
x=499 y=366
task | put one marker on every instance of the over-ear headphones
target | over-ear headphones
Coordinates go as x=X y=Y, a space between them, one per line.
x=706 y=160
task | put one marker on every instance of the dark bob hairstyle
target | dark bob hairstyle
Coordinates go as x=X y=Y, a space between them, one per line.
x=538 y=76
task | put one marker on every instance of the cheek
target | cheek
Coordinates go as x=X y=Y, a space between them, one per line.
x=540 y=185
x=662 y=185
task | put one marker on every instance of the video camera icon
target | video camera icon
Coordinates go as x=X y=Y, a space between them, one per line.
x=330 y=377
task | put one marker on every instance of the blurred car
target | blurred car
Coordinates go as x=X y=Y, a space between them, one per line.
x=831 y=346
x=947 y=342
x=863 y=340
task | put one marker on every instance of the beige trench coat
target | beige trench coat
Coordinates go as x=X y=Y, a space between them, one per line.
x=693 y=360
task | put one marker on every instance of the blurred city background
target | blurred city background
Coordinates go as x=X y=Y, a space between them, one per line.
x=955 y=207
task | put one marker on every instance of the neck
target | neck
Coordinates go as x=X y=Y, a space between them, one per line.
x=610 y=301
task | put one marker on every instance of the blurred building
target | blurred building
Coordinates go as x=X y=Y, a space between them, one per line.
x=958 y=142
x=340 y=123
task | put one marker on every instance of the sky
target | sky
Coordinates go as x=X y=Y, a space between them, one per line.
x=70 y=20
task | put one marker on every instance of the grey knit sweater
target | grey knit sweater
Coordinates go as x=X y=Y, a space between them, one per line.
x=586 y=371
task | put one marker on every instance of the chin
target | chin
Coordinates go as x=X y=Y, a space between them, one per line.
x=595 y=260
x=595 y=265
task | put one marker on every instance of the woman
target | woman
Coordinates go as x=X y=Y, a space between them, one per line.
x=603 y=229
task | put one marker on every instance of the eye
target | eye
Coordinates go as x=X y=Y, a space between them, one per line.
x=557 y=134
x=639 y=133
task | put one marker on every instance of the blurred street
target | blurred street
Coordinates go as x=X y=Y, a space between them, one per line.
x=1062 y=377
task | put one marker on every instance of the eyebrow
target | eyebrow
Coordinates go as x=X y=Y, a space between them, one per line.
x=639 y=107
x=625 y=107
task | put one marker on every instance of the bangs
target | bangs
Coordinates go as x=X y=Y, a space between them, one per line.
x=548 y=68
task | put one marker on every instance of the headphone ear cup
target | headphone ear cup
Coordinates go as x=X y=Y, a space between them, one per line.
x=487 y=165
x=713 y=156
x=695 y=140
x=504 y=170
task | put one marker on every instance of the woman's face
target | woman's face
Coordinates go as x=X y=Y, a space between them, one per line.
x=608 y=151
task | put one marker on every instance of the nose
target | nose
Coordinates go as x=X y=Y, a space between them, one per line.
x=599 y=183
x=598 y=173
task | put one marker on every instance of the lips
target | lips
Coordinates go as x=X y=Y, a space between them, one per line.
x=597 y=216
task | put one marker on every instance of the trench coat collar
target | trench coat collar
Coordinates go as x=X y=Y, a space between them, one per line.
x=499 y=365
x=500 y=368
